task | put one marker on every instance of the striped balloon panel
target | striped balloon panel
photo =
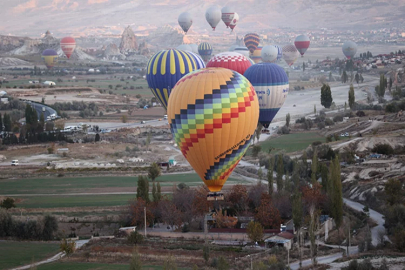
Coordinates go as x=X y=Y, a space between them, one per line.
x=213 y=114
x=271 y=85
x=251 y=41
x=230 y=60
x=290 y=54
x=165 y=68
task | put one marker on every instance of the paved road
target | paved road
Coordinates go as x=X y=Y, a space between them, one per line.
x=39 y=108
x=118 y=125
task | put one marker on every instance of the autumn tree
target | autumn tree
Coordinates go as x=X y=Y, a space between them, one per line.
x=267 y=214
x=170 y=263
x=136 y=262
x=225 y=221
x=255 y=194
x=67 y=246
x=238 y=197
x=254 y=231
x=183 y=200
x=170 y=214
x=200 y=204
x=136 y=213
x=154 y=171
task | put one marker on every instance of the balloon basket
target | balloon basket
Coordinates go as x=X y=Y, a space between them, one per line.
x=266 y=131
x=215 y=196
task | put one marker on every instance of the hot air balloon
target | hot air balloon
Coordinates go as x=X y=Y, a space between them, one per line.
x=251 y=41
x=234 y=21
x=230 y=60
x=199 y=61
x=205 y=50
x=165 y=68
x=194 y=48
x=185 y=21
x=279 y=52
x=213 y=114
x=257 y=55
x=50 y=58
x=227 y=15
x=213 y=16
x=184 y=47
x=302 y=44
x=242 y=50
x=271 y=85
x=290 y=54
x=269 y=54
x=68 y=45
x=349 y=49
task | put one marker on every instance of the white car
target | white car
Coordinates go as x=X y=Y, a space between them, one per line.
x=14 y=162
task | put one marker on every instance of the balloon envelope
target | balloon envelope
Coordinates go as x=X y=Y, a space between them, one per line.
x=234 y=21
x=257 y=55
x=205 y=50
x=302 y=43
x=68 y=45
x=271 y=84
x=290 y=54
x=269 y=54
x=184 y=47
x=185 y=21
x=213 y=16
x=349 y=49
x=251 y=41
x=213 y=114
x=199 y=61
x=227 y=15
x=194 y=48
x=165 y=68
x=230 y=60
x=242 y=50
x=50 y=58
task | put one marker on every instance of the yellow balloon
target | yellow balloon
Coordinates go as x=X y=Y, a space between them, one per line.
x=213 y=114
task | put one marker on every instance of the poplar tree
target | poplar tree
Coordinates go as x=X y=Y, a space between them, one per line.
x=280 y=173
x=314 y=167
x=270 y=179
x=352 y=98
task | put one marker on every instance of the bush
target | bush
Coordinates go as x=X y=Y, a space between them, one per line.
x=316 y=143
x=360 y=113
x=338 y=118
x=329 y=122
x=321 y=125
x=256 y=149
x=384 y=149
x=284 y=130
x=135 y=238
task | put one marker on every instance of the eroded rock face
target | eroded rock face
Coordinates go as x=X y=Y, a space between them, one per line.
x=129 y=43
x=113 y=53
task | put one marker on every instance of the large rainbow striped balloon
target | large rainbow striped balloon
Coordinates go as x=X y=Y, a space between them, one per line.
x=165 y=68
x=213 y=114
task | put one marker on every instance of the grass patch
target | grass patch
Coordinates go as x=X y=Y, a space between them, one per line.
x=93 y=266
x=290 y=142
x=62 y=185
x=14 y=254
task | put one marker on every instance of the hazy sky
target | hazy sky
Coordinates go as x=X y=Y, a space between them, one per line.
x=33 y=17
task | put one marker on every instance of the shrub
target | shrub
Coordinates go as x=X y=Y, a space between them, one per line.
x=360 y=113
x=135 y=238
x=384 y=149
x=321 y=125
x=329 y=122
x=256 y=149
x=316 y=143
x=284 y=130
x=338 y=118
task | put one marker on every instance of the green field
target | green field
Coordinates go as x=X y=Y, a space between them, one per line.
x=62 y=185
x=291 y=142
x=60 y=188
x=14 y=254
x=93 y=266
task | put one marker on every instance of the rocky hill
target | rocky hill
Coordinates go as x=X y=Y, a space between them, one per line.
x=128 y=43
x=8 y=43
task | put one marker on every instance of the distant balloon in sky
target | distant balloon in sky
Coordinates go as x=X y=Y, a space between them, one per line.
x=213 y=114
x=68 y=45
x=269 y=54
x=271 y=85
x=205 y=50
x=227 y=15
x=257 y=55
x=50 y=58
x=290 y=54
x=349 y=49
x=213 y=16
x=185 y=21
x=251 y=41
x=234 y=21
x=230 y=60
x=302 y=43
x=165 y=68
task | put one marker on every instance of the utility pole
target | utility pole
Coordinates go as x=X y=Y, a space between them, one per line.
x=144 y=213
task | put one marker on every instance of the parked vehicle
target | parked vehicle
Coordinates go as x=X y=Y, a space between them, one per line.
x=14 y=162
